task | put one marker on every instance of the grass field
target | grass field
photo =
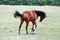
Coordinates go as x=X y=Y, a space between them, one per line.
x=48 y=29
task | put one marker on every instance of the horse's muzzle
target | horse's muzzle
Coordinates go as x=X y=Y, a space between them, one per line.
x=40 y=20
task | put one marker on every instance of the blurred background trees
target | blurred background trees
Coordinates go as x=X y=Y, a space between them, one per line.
x=30 y=2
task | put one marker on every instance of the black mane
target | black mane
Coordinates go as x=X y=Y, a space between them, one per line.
x=40 y=13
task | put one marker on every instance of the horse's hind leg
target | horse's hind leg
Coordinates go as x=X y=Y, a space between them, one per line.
x=27 y=27
x=20 y=26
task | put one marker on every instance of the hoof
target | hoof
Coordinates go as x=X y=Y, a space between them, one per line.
x=33 y=30
x=26 y=32
x=19 y=33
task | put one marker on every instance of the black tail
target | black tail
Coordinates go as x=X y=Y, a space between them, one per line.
x=17 y=14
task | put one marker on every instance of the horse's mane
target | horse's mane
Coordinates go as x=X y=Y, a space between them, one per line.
x=40 y=13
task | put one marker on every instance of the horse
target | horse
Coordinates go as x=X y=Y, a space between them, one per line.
x=30 y=16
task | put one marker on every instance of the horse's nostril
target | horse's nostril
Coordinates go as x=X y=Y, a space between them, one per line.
x=40 y=20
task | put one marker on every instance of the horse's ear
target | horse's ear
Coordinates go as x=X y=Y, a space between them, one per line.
x=16 y=11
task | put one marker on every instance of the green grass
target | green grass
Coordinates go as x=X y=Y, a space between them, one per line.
x=48 y=29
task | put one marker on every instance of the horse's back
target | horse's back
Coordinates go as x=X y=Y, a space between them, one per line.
x=30 y=15
x=33 y=14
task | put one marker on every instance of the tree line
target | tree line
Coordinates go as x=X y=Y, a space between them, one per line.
x=29 y=2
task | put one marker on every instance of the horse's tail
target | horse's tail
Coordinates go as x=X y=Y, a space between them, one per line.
x=17 y=14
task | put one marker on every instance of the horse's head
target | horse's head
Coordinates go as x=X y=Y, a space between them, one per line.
x=16 y=14
x=42 y=17
x=41 y=14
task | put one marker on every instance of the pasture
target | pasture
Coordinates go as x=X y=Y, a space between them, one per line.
x=48 y=29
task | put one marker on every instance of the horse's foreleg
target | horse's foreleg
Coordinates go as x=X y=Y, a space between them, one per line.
x=27 y=27
x=20 y=25
x=33 y=26
x=34 y=23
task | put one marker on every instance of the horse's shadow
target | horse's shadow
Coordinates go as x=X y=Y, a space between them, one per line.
x=29 y=34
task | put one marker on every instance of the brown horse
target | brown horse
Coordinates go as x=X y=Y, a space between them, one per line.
x=28 y=16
